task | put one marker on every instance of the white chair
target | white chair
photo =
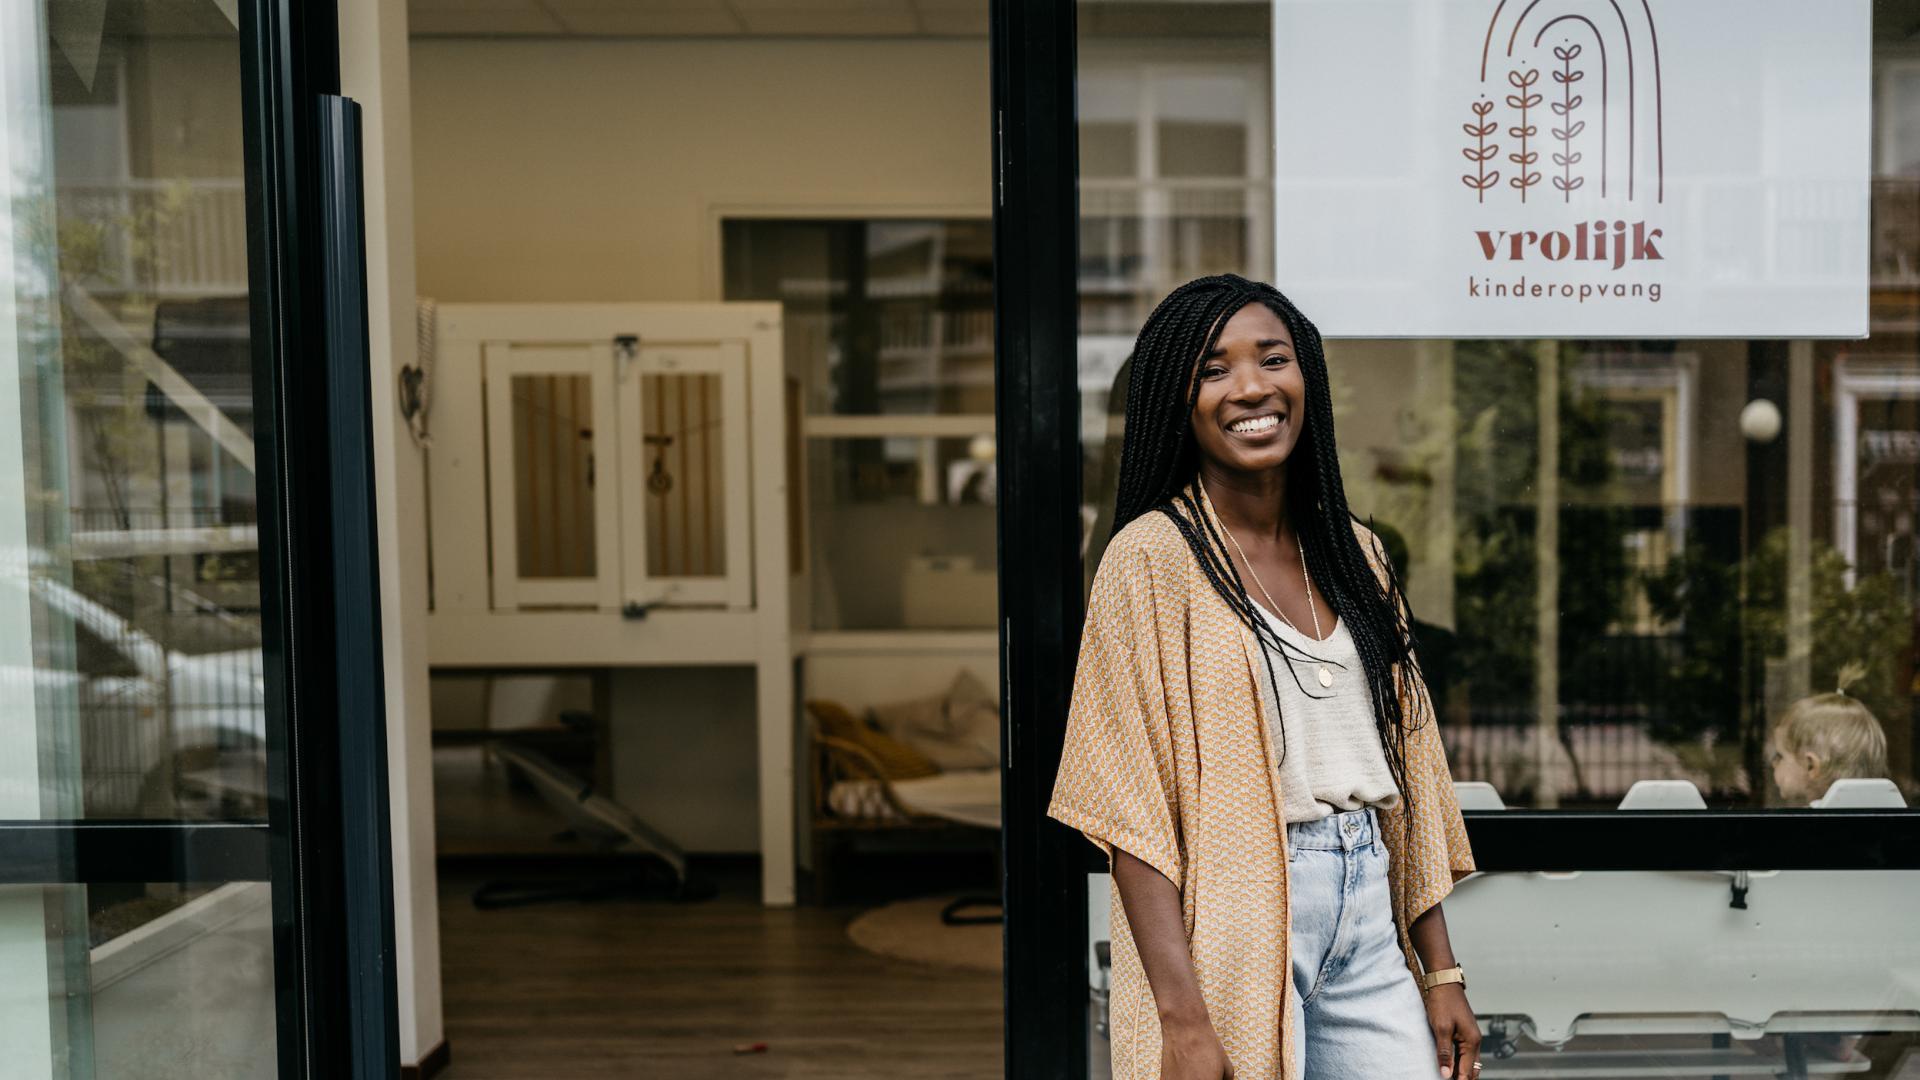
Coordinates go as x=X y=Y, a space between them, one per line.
x=1862 y=793
x=1663 y=795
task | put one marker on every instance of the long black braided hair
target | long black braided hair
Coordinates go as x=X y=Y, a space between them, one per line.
x=1159 y=457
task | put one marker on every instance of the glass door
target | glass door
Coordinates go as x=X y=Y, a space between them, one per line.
x=1665 y=590
x=157 y=858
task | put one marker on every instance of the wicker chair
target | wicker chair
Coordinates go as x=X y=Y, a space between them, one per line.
x=896 y=828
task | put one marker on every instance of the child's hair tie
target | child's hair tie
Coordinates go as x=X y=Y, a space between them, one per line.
x=1850 y=672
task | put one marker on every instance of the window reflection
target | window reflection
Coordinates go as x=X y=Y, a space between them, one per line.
x=1642 y=572
x=1629 y=560
x=889 y=325
x=903 y=533
x=153 y=572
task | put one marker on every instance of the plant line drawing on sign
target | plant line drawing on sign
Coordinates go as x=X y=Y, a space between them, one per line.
x=1482 y=151
x=1523 y=77
x=1523 y=101
x=1567 y=157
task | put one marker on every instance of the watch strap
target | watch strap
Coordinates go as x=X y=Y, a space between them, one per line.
x=1444 y=975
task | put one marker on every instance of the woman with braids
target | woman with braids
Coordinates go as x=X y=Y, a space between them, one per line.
x=1250 y=741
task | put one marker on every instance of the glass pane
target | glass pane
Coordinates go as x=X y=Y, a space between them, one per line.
x=133 y=457
x=553 y=475
x=1631 y=563
x=882 y=317
x=683 y=433
x=130 y=612
x=1735 y=991
x=903 y=533
x=1637 y=584
x=141 y=980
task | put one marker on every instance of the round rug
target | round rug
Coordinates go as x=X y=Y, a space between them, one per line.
x=912 y=930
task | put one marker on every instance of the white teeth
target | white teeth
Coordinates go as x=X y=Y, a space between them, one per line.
x=1258 y=423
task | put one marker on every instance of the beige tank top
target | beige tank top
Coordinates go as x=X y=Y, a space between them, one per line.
x=1333 y=758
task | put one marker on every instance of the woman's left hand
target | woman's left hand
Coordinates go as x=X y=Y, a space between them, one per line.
x=1456 y=1035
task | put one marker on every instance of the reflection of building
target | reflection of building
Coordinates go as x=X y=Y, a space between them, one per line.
x=1876 y=464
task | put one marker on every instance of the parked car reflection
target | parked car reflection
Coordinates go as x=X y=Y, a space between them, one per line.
x=162 y=732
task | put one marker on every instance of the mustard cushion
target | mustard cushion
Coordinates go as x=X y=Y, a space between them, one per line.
x=897 y=760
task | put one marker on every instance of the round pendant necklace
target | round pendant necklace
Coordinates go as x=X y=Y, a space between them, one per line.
x=1325 y=674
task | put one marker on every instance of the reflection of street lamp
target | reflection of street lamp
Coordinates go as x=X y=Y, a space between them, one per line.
x=1760 y=420
x=971 y=480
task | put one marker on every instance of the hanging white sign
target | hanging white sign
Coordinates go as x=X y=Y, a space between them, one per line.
x=1573 y=168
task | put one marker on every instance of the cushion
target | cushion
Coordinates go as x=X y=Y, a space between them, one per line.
x=861 y=800
x=957 y=729
x=898 y=760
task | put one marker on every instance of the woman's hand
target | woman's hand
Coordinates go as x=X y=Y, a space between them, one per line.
x=1189 y=1047
x=1456 y=1035
x=1191 y=1050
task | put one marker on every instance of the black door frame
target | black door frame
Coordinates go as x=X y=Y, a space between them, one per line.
x=1037 y=436
x=325 y=845
x=320 y=594
x=1036 y=228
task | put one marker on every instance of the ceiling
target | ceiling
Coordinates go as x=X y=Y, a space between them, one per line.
x=697 y=18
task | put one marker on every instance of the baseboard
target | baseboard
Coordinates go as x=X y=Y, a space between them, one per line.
x=432 y=1063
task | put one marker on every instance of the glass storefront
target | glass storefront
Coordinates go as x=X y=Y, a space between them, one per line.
x=1636 y=568
x=1628 y=558
x=1640 y=568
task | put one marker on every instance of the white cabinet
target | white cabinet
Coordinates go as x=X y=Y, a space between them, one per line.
x=618 y=446
x=608 y=487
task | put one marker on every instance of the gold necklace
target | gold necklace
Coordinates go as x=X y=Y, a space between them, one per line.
x=1325 y=673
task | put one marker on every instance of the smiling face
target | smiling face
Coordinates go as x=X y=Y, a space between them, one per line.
x=1252 y=403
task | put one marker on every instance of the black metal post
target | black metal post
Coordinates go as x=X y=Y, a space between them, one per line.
x=1035 y=232
x=359 y=689
x=289 y=55
x=327 y=839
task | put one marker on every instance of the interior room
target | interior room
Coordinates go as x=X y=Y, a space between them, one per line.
x=767 y=646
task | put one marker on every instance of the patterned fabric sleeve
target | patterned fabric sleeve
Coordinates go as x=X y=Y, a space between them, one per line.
x=1117 y=783
x=1446 y=805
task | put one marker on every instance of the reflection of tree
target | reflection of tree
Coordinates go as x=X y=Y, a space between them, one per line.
x=104 y=390
x=1496 y=571
x=1720 y=627
x=104 y=393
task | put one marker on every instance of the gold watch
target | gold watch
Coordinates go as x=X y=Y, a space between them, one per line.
x=1444 y=975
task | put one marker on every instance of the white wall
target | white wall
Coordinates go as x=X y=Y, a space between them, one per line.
x=373 y=69
x=599 y=170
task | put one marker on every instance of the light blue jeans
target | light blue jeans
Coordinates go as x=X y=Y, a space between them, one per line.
x=1361 y=1014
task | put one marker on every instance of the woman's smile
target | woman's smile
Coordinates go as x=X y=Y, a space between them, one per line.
x=1258 y=428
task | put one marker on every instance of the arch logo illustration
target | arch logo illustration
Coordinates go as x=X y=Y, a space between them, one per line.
x=1545 y=124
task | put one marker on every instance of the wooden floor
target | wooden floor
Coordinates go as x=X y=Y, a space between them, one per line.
x=662 y=991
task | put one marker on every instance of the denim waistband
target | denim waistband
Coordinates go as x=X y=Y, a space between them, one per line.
x=1338 y=831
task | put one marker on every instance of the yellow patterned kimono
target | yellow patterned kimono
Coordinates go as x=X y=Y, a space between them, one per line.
x=1169 y=757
